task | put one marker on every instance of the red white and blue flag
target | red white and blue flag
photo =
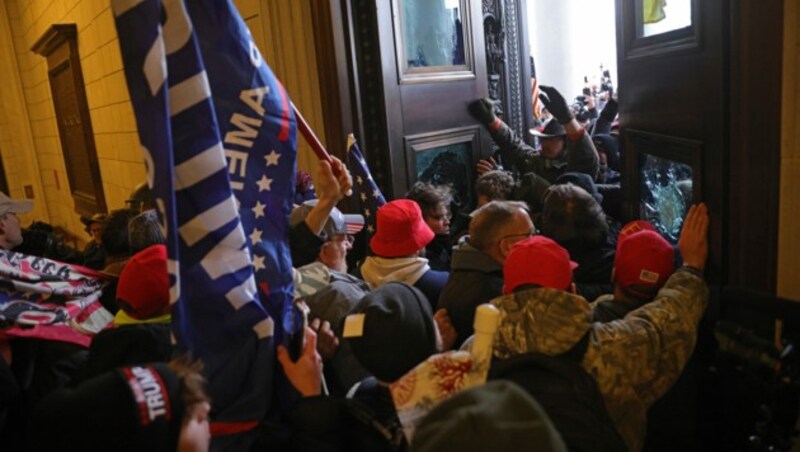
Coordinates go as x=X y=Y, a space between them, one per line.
x=47 y=299
x=219 y=141
x=367 y=191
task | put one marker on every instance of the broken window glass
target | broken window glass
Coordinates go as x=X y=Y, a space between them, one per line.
x=666 y=194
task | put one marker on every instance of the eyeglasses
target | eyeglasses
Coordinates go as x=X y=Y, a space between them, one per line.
x=344 y=238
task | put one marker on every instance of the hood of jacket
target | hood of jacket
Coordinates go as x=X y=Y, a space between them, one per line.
x=467 y=257
x=378 y=271
x=540 y=320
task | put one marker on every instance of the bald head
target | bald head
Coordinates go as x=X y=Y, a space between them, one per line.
x=496 y=226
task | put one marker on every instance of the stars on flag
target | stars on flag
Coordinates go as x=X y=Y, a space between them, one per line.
x=255 y=237
x=264 y=184
x=259 y=209
x=272 y=158
x=258 y=263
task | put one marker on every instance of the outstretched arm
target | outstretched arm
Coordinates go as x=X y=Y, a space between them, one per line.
x=515 y=153
x=330 y=190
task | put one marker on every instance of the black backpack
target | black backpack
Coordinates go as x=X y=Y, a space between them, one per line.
x=377 y=427
x=568 y=394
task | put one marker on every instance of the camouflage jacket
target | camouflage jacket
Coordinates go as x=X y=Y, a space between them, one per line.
x=634 y=360
x=579 y=155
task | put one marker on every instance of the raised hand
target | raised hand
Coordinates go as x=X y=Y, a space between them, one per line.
x=555 y=104
x=486 y=165
x=482 y=110
x=693 y=242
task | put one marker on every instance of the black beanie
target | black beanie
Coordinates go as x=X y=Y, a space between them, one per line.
x=582 y=180
x=391 y=330
x=128 y=409
x=498 y=416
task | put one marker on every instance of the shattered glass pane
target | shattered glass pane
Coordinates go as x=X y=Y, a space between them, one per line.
x=666 y=194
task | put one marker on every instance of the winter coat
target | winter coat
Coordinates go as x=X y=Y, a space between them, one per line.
x=579 y=155
x=634 y=360
x=475 y=278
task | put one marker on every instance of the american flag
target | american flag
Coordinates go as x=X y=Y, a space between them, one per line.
x=219 y=141
x=369 y=195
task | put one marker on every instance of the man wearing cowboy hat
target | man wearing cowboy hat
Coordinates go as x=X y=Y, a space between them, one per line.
x=10 y=229
x=565 y=144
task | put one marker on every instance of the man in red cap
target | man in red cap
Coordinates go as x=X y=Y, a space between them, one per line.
x=642 y=264
x=635 y=360
x=400 y=236
x=141 y=333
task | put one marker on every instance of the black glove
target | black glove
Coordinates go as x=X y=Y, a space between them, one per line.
x=610 y=110
x=555 y=104
x=482 y=110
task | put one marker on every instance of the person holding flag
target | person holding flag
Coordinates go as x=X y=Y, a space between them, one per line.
x=319 y=231
x=219 y=139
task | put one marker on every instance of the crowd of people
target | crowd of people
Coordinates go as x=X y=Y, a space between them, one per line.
x=614 y=308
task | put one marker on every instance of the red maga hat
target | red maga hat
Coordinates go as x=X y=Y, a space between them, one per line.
x=537 y=260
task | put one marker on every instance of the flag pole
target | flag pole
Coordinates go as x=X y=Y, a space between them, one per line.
x=313 y=141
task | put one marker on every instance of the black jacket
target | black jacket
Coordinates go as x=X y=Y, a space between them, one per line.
x=579 y=155
x=367 y=422
x=475 y=279
x=127 y=345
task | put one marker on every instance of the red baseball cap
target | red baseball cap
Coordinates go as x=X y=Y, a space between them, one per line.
x=643 y=262
x=401 y=231
x=633 y=227
x=537 y=260
x=143 y=287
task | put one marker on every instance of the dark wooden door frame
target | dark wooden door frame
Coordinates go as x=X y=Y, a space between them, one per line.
x=739 y=125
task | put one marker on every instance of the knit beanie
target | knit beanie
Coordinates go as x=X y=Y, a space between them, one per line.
x=391 y=330
x=129 y=409
x=582 y=180
x=143 y=287
x=144 y=230
x=498 y=416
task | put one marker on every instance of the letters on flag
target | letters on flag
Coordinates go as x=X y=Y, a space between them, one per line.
x=219 y=142
x=366 y=189
x=47 y=299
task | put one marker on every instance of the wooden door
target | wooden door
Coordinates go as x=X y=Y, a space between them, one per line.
x=700 y=120
x=419 y=64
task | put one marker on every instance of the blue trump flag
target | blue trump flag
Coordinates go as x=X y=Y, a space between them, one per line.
x=366 y=189
x=219 y=142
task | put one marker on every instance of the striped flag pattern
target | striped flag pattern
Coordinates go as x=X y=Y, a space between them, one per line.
x=219 y=142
